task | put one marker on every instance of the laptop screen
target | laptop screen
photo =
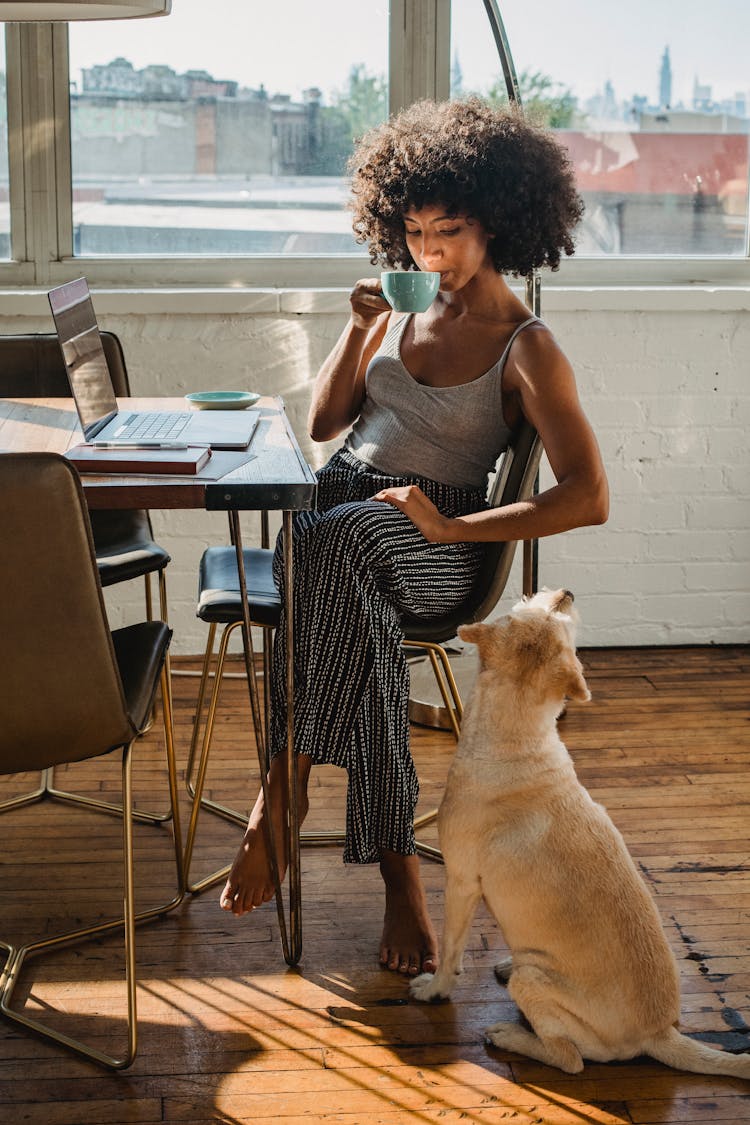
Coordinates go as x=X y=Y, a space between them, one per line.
x=81 y=345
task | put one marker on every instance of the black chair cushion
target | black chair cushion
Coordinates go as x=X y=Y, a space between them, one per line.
x=219 y=587
x=124 y=546
x=140 y=651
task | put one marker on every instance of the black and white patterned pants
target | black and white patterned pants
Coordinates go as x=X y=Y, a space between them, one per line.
x=357 y=564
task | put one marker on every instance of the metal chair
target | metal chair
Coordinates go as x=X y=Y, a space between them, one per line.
x=219 y=604
x=72 y=690
x=31 y=366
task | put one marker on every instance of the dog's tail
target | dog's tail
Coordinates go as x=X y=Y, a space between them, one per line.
x=682 y=1053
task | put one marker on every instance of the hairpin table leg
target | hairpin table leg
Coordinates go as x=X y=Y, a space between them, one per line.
x=291 y=936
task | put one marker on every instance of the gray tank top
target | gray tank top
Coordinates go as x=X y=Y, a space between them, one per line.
x=449 y=434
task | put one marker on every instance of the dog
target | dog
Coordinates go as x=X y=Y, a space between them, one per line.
x=590 y=968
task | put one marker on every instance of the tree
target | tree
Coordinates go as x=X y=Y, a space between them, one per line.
x=364 y=102
x=353 y=110
x=544 y=101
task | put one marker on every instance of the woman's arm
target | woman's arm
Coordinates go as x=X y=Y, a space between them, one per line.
x=540 y=380
x=339 y=386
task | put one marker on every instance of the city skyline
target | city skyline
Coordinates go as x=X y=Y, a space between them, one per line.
x=119 y=79
x=585 y=46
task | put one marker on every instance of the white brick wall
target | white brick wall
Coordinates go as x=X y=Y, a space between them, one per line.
x=666 y=391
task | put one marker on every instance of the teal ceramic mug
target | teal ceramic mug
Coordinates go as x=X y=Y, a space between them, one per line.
x=409 y=291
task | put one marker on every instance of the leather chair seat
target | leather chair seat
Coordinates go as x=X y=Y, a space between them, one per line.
x=140 y=651
x=219 y=587
x=125 y=548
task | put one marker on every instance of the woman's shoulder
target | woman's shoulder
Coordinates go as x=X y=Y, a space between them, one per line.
x=534 y=338
x=534 y=354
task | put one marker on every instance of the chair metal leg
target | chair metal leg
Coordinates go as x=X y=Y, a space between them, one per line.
x=448 y=688
x=445 y=680
x=164 y=611
x=32 y=796
x=10 y=955
x=142 y=816
x=128 y=922
x=205 y=802
x=46 y=789
x=205 y=673
x=163 y=616
x=174 y=800
x=149 y=617
x=199 y=801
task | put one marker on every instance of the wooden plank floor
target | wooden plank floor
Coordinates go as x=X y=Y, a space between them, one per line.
x=230 y=1035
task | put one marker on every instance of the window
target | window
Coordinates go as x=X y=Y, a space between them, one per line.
x=4 y=178
x=192 y=151
x=652 y=102
x=235 y=143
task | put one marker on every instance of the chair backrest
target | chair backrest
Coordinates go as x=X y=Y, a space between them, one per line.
x=513 y=481
x=62 y=696
x=31 y=365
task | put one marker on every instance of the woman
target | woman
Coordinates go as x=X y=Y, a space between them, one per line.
x=427 y=402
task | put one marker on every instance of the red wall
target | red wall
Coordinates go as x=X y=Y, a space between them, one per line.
x=657 y=163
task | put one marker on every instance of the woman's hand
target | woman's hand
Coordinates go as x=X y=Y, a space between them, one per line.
x=368 y=302
x=411 y=500
x=339 y=388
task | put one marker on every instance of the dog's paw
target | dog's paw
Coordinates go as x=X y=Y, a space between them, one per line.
x=503 y=970
x=428 y=987
x=496 y=1035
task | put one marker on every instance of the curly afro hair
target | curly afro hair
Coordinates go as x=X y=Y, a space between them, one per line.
x=472 y=159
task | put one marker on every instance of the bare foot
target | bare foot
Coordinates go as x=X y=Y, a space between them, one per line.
x=409 y=943
x=250 y=882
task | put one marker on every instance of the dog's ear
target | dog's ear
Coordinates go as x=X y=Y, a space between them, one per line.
x=485 y=635
x=574 y=684
x=471 y=633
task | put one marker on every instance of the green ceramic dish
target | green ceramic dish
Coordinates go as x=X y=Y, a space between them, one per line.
x=222 y=400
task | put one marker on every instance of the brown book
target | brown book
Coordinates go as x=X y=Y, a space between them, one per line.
x=148 y=462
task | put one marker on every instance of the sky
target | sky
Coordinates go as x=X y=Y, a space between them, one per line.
x=288 y=45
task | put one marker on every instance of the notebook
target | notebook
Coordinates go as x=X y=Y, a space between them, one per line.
x=139 y=461
x=94 y=396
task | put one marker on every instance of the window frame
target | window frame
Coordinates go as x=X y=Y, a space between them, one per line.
x=41 y=185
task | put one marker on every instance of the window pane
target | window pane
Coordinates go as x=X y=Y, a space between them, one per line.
x=225 y=135
x=4 y=197
x=651 y=99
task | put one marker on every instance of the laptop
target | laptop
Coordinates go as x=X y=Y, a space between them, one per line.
x=91 y=386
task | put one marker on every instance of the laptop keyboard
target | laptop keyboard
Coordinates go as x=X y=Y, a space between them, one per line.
x=158 y=425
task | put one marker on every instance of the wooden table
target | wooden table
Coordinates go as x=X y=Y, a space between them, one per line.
x=272 y=476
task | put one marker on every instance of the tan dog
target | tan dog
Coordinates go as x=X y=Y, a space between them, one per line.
x=590 y=968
